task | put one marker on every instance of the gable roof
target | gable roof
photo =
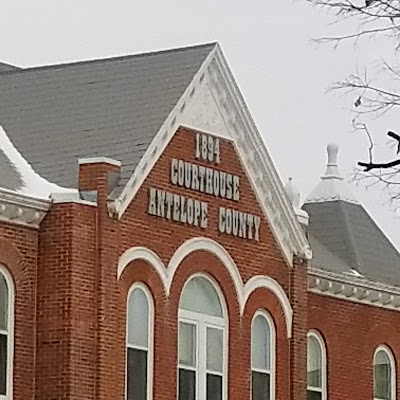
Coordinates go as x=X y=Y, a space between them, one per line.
x=213 y=103
x=111 y=108
x=345 y=229
x=348 y=231
x=128 y=109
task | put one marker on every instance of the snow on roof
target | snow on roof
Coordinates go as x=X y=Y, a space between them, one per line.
x=32 y=183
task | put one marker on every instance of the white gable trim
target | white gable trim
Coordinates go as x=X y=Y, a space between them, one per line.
x=241 y=129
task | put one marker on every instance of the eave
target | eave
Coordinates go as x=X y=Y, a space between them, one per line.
x=353 y=288
x=20 y=209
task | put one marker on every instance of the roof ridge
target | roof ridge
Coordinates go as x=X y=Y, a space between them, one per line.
x=110 y=59
x=8 y=64
x=331 y=253
x=352 y=246
x=6 y=68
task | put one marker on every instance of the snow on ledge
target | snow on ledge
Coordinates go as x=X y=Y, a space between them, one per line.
x=32 y=183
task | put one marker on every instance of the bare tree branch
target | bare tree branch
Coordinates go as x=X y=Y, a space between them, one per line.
x=368 y=166
x=378 y=19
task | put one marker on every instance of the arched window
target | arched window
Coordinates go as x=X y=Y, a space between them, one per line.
x=316 y=367
x=263 y=357
x=202 y=342
x=139 y=342
x=384 y=374
x=6 y=334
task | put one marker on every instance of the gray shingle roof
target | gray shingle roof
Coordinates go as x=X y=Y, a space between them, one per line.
x=347 y=231
x=7 y=68
x=325 y=259
x=103 y=108
x=9 y=176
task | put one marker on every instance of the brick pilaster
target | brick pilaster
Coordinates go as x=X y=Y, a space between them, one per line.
x=298 y=343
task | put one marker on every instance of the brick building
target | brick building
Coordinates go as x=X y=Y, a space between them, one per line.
x=148 y=249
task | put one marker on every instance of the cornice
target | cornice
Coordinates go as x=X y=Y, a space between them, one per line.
x=353 y=288
x=16 y=208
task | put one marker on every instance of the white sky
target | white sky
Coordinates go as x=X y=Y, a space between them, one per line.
x=283 y=76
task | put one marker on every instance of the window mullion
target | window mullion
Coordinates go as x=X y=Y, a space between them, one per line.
x=202 y=352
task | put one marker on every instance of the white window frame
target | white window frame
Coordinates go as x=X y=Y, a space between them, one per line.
x=272 y=348
x=150 y=349
x=323 y=389
x=202 y=322
x=392 y=362
x=9 y=333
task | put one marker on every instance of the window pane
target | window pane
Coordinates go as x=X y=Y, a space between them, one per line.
x=187 y=344
x=314 y=363
x=200 y=296
x=260 y=386
x=261 y=344
x=3 y=303
x=138 y=318
x=187 y=385
x=214 y=387
x=381 y=358
x=3 y=364
x=311 y=395
x=137 y=374
x=215 y=342
x=382 y=376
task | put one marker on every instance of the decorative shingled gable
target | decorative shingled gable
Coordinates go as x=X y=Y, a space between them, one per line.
x=212 y=102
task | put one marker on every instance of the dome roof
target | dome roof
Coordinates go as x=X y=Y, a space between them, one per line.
x=332 y=186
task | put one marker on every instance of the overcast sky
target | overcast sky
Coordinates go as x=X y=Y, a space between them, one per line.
x=283 y=76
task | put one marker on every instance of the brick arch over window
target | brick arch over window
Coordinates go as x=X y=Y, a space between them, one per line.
x=19 y=259
x=141 y=272
x=264 y=299
x=11 y=259
x=203 y=330
x=384 y=366
x=317 y=365
x=382 y=333
x=7 y=296
x=243 y=291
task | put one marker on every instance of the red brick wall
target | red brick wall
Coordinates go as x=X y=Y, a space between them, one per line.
x=18 y=254
x=252 y=258
x=299 y=301
x=70 y=307
x=137 y=227
x=352 y=332
x=81 y=306
x=66 y=304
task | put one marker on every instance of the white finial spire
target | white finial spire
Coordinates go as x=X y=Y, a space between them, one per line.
x=332 y=170
x=294 y=197
x=333 y=150
x=293 y=193
x=332 y=186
